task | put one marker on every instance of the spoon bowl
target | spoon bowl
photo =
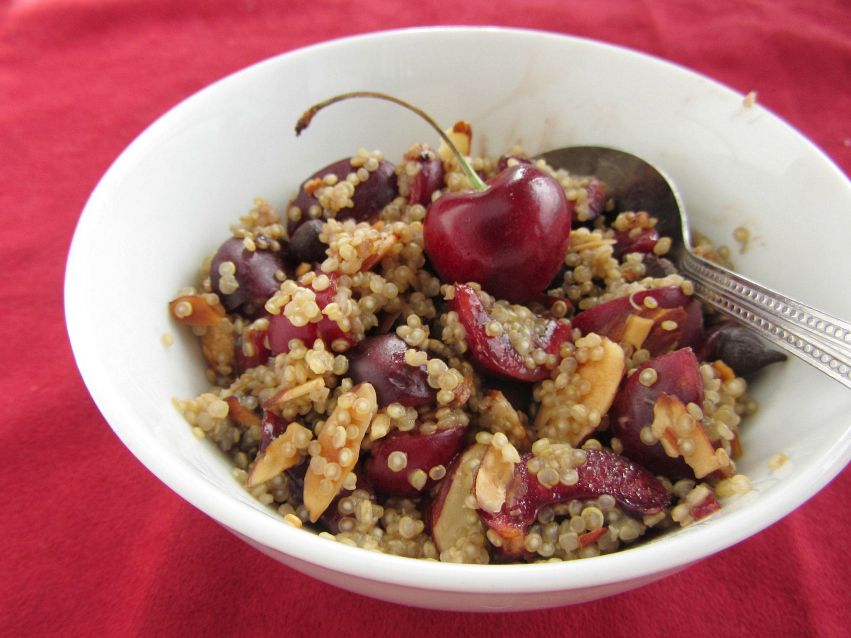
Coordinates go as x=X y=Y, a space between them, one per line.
x=820 y=339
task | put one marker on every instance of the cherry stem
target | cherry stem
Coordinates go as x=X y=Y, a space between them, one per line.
x=307 y=117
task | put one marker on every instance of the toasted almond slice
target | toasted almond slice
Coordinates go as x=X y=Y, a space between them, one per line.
x=338 y=454
x=496 y=414
x=724 y=371
x=604 y=377
x=379 y=427
x=493 y=478
x=451 y=517
x=217 y=345
x=286 y=451
x=296 y=392
x=379 y=251
x=701 y=456
x=196 y=310
x=461 y=135
x=239 y=414
x=463 y=391
x=636 y=330
x=736 y=446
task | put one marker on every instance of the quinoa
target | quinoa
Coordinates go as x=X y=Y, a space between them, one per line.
x=308 y=439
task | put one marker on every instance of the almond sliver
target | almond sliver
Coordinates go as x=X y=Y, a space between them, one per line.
x=291 y=394
x=337 y=451
x=281 y=454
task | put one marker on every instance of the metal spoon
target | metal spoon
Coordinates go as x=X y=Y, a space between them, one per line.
x=816 y=337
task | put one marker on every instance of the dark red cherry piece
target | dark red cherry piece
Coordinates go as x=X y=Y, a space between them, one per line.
x=380 y=361
x=677 y=320
x=678 y=375
x=427 y=179
x=511 y=238
x=421 y=451
x=255 y=272
x=495 y=355
x=282 y=330
x=634 y=488
x=367 y=201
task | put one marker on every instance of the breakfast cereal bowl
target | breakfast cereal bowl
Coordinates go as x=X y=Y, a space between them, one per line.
x=169 y=199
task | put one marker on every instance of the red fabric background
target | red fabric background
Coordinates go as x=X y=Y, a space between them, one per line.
x=93 y=544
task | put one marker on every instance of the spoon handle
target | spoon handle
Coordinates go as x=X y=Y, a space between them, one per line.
x=819 y=339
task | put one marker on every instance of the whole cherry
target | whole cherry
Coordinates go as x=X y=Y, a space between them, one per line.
x=509 y=235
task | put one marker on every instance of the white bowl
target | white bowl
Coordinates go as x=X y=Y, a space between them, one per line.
x=169 y=198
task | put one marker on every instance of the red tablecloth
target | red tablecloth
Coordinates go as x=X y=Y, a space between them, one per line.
x=93 y=544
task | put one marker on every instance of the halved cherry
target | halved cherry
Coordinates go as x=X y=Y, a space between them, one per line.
x=252 y=279
x=380 y=360
x=659 y=320
x=271 y=427
x=634 y=488
x=494 y=354
x=367 y=201
x=305 y=245
x=427 y=179
x=417 y=453
x=282 y=330
x=676 y=374
x=643 y=241
x=251 y=350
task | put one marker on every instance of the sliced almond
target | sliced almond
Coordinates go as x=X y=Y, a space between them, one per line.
x=338 y=453
x=463 y=391
x=636 y=330
x=451 y=517
x=604 y=377
x=724 y=371
x=493 y=478
x=496 y=414
x=217 y=345
x=241 y=415
x=461 y=135
x=379 y=251
x=286 y=451
x=296 y=392
x=701 y=457
x=196 y=310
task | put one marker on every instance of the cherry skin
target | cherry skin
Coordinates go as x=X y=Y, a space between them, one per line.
x=495 y=356
x=367 y=201
x=511 y=238
x=380 y=360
